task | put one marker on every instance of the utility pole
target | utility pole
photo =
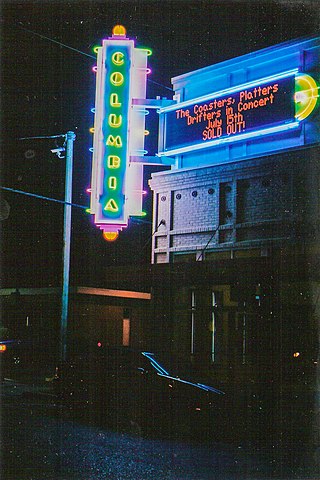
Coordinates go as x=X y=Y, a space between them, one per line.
x=70 y=137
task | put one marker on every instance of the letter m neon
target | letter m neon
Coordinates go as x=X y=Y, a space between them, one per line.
x=114 y=141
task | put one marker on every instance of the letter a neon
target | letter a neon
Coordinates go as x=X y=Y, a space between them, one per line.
x=112 y=206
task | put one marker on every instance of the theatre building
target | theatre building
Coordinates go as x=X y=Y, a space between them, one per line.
x=236 y=247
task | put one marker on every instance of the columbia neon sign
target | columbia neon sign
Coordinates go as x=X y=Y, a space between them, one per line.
x=119 y=129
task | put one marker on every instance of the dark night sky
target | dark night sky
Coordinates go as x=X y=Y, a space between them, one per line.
x=48 y=89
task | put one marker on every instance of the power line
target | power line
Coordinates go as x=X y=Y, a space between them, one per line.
x=56 y=41
x=162 y=222
x=44 y=136
x=82 y=53
x=42 y=197
x=160 y=84
x=206 y=246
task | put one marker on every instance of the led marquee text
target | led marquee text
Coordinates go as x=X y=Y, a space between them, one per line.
x=227 y=116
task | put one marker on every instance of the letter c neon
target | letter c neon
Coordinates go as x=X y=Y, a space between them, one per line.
x=117 y=58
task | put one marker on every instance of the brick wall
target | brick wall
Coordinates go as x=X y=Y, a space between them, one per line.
x=238 y=206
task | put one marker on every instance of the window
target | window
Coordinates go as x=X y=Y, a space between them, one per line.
x=126 y=332
x=213 y=325
x=193 y=314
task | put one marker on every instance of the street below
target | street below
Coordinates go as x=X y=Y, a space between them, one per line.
x=44 y=440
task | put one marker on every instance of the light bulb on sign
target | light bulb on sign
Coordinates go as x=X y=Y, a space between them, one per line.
x=119 y=31
x=110 y=236
x=306 y=96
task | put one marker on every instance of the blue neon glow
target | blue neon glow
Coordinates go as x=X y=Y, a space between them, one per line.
x=232 y=139
x=144 y=111
x=162 y=372
x=156 y=364
x=207 y=388
x=140 y=153
x=228 y=90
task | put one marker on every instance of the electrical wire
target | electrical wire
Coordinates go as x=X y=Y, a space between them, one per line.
x=162 y=222
x=206 y=246
x=42 y=197
x=79 y=51
x=44 y=136
x=56 y=41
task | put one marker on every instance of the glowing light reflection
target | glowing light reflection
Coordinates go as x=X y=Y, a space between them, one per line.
x=228 y=90
x=243 y=136
x=306 y=96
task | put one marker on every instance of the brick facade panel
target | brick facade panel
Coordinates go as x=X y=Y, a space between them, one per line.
x=260 y=200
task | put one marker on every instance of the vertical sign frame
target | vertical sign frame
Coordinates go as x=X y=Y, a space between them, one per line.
x=116 y=182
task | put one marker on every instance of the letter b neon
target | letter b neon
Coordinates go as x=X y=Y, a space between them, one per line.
x=114 y=161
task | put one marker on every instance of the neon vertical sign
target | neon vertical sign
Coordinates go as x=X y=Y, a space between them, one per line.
x=116 y=183
x=115 y=131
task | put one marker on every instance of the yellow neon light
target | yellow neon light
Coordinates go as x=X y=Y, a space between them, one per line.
x=91 y=130
x=114 y=120
x=114 y=100
x=96 y=49
x=141 y=214
x=114 y=141
x=112 y=183
x=114 y=161
x=111 y=206
x=110 y=236
x=117 y=58
x=146 y=132
x=306 y=96
x=117 y=79
x=119 y=31
x=148 y=50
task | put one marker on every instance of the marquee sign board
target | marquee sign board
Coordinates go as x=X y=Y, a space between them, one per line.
x=254 y=109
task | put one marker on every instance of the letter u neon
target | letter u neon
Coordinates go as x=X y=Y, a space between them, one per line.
x=114 y=120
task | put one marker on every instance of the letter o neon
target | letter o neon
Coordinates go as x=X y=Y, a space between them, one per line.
x=117 y=79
